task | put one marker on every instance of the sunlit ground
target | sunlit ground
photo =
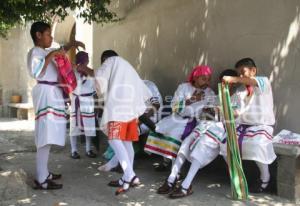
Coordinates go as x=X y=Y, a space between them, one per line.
x=84 y=185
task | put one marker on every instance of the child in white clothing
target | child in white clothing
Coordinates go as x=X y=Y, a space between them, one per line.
x=82 y=119
x=255 y=121
x=48 y=101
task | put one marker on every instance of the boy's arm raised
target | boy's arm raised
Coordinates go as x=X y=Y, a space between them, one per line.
x=241 y=80
x=86 y=70
x=75 y=44
x=49 y=57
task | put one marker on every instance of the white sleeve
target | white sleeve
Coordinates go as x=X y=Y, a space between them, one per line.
x=35 y=63
x=236 y=102
x=178 y=101
x=156 y=97
x=210 y=97
x=102 y=76
x=263 y=83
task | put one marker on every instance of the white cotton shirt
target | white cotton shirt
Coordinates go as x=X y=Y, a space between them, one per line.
x=185 y=91
x=85 y=84
x=257 y=109
x=155 y=93
x=123 y=91
x=35 y=63
x=48 y=102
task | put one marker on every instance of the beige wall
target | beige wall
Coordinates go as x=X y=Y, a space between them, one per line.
x=164 y=39
x=14 y=78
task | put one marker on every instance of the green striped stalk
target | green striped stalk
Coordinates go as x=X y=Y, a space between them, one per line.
x=239 y=187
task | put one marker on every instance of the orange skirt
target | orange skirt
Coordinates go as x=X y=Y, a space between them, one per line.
x=125 y=131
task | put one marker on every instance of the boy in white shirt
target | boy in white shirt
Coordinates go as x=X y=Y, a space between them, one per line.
x=255 y=121
x=48 y=101
x=124 y=96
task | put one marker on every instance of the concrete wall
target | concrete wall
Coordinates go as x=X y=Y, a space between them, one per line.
x=14 y=78
x=165 y=39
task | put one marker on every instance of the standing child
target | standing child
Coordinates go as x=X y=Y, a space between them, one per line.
x=124 y=101
x=151 y=115
x=48 y=101
x=82 y=106
x=255 y=121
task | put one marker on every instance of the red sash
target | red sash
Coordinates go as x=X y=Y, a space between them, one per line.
x=66 y=74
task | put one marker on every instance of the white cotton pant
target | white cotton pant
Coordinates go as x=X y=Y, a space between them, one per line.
x=112 y=163
x=125 y=154
x=42 y=157
x=208 y=155
x=73 y=141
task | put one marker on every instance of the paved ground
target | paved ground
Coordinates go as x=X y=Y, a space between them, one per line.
x=85 y=186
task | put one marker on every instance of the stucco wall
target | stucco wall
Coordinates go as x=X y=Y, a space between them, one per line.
x=165 y=39
x=14 y=78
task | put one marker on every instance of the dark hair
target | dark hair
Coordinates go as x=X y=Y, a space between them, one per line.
x=245 y=62
x=108 y=53
x=228 y=72
x=38 y=26
x=81 y=57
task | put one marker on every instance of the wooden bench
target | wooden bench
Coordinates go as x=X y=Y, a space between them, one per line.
x=21 y=110
x=288 y=171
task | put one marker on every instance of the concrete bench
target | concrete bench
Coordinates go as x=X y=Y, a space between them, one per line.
x=23 y=110
x=288 y=171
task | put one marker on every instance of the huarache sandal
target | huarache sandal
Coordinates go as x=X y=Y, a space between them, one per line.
x=257 y=187
x=181 y=192
x=75 y=155
x=116 y=183
x=124 y=189
x=91 y=154
x=166 y=188
x=47 y=185
x=53 y=176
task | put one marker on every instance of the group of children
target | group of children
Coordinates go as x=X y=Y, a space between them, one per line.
x=192 y=132
x=208 y=139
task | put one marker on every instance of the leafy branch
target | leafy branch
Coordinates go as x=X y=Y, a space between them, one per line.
x=18 y=12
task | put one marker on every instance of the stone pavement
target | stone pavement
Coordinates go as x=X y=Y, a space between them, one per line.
x=85 y=186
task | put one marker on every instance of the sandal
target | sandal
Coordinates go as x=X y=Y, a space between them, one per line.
x=162 y=168
x=47 y=185
x=116 y=183
x=257 y=187
x=134 y=184
x=117 y=169
x=75 y=155
x=53 y=176
x=166 y=188
x=122 y=190
x=91 y=154
x=181 y=192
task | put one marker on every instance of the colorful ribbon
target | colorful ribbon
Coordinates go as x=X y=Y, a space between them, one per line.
x=239 y=187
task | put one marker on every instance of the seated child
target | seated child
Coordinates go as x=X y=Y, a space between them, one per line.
x=187 y=104
x=154 y=106
x=82 y=119
x=201 y=147
x=255 y=121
